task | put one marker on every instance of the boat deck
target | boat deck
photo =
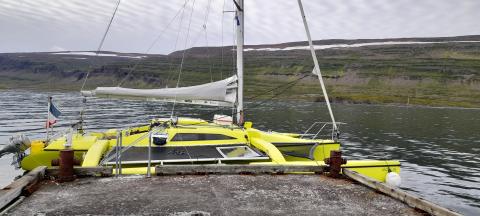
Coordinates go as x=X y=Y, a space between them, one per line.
x=210 y=195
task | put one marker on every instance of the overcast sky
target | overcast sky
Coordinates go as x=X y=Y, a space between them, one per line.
x=56 y=25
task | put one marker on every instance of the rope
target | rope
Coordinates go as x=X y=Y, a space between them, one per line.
x=170 y=59
x=154 y=42
x=101 y=42
x=206 y=39
x=203 y=32
x=84 y=101
x=294 y=82
x=221 y=62
x=234 y=24
x=183 y=55
x=286 y=87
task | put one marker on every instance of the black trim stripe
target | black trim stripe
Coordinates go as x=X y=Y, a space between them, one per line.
x=75 y=150
x=295 y=154
x=300 y=144
x=384 y=165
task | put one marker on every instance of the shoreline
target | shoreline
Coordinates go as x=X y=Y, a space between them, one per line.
x=286 y=99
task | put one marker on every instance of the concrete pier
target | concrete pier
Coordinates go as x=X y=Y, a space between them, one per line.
x=210 y=195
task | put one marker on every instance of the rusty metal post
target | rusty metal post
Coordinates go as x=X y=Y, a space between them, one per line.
x=66 y=163
x=335 y=162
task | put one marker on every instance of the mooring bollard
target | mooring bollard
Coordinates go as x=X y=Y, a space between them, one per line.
x=335 y=162
x=66 y=166
x=66 y=160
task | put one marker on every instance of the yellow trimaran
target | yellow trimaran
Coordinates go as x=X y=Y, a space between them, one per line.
x=224 y=144
x=186 y=140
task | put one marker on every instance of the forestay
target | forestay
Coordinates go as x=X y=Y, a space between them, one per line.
x=223 y=91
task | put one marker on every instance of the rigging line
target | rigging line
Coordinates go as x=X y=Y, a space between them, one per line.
x=288 y=86
x=171 y=72
x=280 y=86
x=183 y=55
x=102 y=41
x=206 y=39
x=154 y=42
x=234 y=37
x=199 y=34
x=221 y=62
x=285 y=86
x=204 y=26
x=237 y=6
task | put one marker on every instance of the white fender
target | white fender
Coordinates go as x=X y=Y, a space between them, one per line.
x=393 y=179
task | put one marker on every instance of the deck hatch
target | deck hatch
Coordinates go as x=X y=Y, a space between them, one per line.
x=200 y=136
x=179 y=154
x=237 y=151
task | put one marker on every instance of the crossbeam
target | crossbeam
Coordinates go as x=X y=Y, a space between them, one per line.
x=83 y=171
x=236 y=169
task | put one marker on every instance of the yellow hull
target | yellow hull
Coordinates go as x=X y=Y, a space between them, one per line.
x=232 y=142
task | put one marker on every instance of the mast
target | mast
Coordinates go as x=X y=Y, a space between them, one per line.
x=317 y=67
x=240 y=40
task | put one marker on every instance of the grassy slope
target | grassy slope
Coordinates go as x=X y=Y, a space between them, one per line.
x=423 y=74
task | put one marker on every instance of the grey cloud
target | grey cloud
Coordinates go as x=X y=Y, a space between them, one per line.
x=42 y=25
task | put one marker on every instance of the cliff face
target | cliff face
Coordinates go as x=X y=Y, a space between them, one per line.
x=410 y=70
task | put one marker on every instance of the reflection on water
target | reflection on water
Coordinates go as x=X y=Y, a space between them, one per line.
x=438 y=147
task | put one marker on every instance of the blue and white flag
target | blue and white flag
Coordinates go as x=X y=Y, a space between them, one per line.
x=53 y=114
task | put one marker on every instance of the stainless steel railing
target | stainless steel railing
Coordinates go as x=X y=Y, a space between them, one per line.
x=322 y=130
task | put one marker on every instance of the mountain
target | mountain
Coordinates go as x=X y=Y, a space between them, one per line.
x=422 y=71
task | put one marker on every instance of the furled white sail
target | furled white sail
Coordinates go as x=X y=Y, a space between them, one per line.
x=223 y=91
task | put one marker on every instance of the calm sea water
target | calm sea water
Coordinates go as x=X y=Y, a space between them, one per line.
x=439 y=147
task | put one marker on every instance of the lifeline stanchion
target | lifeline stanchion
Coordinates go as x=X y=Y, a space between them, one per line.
x=120 y=153
x=117 y=153
x=149 y=154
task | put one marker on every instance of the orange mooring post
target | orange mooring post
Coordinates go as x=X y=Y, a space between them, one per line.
x=66 y=162
x=66 y=165
x=335 y=162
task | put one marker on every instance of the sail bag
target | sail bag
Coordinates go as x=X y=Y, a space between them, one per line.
x=220 y=91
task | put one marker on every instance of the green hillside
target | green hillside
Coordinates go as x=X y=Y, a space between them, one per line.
x=436 y=74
